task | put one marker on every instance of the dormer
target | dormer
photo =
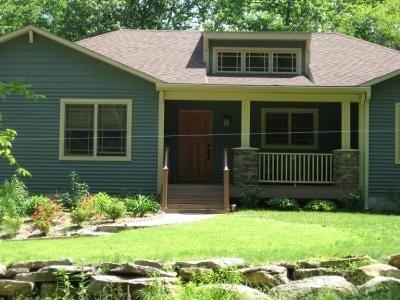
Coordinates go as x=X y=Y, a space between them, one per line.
x=257 y=53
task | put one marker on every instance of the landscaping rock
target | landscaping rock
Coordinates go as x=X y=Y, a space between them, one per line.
x=214 y=263
x=310 y=286
x=37 y=277
x=3 y=270
x=15 y=288
x=36 y=265
x=308 y=264
x=106 y=267
x=100 y=283
x=67 y=269
x=381 y=288
x=11 y=273
x=346 y=262
x=265 y=276
x=111 y=228
x=395 y=260
x=364 y=274
x=187 y=274
x=48 y=290
x=149 y=263
x=135 y=270
x=244 y=292
x=307 y=273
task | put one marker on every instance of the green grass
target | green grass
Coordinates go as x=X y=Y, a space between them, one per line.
x=257 y=236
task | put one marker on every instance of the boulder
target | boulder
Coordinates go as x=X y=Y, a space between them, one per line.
x=37 y=277
x=214 y=263
x=11 y=273
x=265 y=276
x=346 y=262
x=48 y=290
x=149 y=263
x=187 y=274
x=104 y=268
x=308 y=264
x=3 y=270
x=101 y=283
x=242 y=291
x=134 y=270
x=66 y=269
x=381 y=288
x=307 y=273
x=36 y=265
x=394 y=260
x=364 y=274
x=301 y=289
x=15 y=288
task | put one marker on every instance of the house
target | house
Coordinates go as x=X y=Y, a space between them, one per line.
x=194 y=115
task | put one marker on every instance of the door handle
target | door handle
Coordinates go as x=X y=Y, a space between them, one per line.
x=208 y=151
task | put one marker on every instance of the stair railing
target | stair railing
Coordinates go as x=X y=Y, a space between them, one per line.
x=164 y=195
x=226 y=180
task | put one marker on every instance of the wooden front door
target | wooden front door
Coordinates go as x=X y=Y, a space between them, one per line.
x=195 y=145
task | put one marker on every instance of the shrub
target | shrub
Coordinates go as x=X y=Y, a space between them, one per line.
x=10 y=226
x=13 y=195
x=140 y=205
x=352 y=201
x=85 y=210
x=100 y=201
x=32 y=202
x=250 y=196
x=283 y=203
x=76 y=190
x=224 y=275
x=320 y=205
x=114 y=209
x=79 y=216
x=45 y=214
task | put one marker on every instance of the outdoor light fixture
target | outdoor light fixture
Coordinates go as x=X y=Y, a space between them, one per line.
x=227 y=121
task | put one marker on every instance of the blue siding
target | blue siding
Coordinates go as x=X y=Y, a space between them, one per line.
x=384 y=174
x=60 y=72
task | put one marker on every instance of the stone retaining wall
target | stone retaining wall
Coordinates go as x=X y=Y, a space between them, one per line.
x=347 y=276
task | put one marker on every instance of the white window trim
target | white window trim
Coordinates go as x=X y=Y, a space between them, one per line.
x=270 y=51
x=397 y=133
x=264 y=111
x=95 y=157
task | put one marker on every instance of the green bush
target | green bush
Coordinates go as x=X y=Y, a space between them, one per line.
x=140 y=205
x=320 y=205
x=250 y=196
x=76 y=190
x=45 y=215
x=13 y=195
x=101 y=200
x=109 y=207
x=32 y=202
x=10 y=226
x=283 y=203
x=79 y=216
x=352 y=201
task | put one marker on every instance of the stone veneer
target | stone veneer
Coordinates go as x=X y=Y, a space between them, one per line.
x=346 y=171
x=245 y=166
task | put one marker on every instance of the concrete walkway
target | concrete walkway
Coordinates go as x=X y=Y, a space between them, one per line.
x=161 y=220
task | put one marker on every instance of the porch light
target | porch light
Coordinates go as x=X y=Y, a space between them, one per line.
x=227 y=121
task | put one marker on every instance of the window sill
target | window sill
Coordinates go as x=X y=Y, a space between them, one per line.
x=95 y=158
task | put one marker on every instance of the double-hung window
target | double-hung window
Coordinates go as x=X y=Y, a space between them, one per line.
x=289 y=128
x=95 y=129
x=257 y=60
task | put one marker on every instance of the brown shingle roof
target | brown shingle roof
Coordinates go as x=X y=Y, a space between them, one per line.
x=177 y=57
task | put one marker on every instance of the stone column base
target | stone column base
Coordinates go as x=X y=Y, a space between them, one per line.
x=245 y=166
x=346 y=170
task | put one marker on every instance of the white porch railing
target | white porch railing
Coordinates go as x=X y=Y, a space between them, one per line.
x=313 y=168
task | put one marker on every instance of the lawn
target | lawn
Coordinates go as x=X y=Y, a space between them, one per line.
x=257 y=236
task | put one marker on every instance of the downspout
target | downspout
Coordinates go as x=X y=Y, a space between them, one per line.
x=367 y=99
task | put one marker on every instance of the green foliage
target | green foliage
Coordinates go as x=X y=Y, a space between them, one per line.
x=352 y=201
x=79 y=216
x=320 y=205
x=250 y=196
x=76 y=190
x=141 y=205
x=156 y=291
x=71 y=287
x=85 y=210
x=10 y=226
x=32 y=202
x=45 y=215
x=283 y=203
x=109 y=207
x=224 y=275
x=13 y=195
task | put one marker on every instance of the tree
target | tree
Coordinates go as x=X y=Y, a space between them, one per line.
x=7 y=135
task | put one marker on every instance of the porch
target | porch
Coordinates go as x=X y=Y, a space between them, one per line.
x=222 y=145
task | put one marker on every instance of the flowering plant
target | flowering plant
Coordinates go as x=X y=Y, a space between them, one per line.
x=45 y=214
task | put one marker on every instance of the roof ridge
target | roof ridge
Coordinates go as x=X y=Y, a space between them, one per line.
x=365 y=41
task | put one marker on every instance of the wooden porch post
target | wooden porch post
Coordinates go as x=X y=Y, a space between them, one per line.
x=346 y=127
x=245 y=132
x=164 y=196
x=226 y=181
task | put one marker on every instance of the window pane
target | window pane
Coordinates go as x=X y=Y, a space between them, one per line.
x=257 y=62
x=285 y=62
x=229 y=61
x=111 y=132
x=79 y=129
x=302 y=129
x=276 y=129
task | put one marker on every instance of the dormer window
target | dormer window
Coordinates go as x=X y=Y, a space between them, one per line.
x=257 y=60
